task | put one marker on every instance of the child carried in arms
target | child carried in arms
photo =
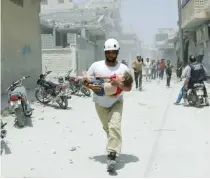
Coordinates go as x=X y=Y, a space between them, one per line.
x=104 y=84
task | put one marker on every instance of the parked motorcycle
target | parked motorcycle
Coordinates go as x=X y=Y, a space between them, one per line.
x=76 y=85
x=17 y=99
x=195 y=96
x=48 y=91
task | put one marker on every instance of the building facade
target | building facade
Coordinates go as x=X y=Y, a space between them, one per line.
x=196 y=27
x=83 y=27
x=165 y=45
x=20 y=42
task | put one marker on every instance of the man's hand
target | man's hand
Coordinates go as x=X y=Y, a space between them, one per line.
x=115 y=82
x=95 y=88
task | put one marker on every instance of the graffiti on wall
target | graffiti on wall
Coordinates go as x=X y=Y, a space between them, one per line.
x=26 y=50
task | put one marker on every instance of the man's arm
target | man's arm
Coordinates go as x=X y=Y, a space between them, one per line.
x=184 y=73
x=188 y=73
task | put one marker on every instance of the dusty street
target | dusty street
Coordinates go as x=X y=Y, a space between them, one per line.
x=159 y=139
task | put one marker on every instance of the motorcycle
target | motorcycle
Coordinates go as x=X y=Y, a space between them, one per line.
x=48 y=91
x=76 y=85
x=17 y=99
x=195 y=96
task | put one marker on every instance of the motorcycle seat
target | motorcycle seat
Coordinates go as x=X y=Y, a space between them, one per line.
x=198 y=85
x=52 y=83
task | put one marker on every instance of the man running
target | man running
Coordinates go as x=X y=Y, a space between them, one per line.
x=168 y=68
x=110 y=109
x=137 y=67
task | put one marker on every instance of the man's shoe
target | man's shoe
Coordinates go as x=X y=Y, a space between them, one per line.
x=111 y=162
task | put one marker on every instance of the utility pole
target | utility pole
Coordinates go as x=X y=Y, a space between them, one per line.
x=181 y=38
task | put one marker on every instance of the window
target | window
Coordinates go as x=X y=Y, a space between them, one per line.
x=18 y=2
x=60 y=1
x=161 y=37
x=44 y=2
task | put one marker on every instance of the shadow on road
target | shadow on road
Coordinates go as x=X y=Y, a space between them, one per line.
x=121 y=161
x=56 y=106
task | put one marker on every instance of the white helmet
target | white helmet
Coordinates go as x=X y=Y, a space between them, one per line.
x=111 y=44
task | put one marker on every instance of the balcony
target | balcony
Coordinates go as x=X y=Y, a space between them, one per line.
x=194 y=14
x=207 y=5
x=164 y=44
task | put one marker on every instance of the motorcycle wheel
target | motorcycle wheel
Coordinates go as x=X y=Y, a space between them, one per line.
x=20 y=119
x=26 y=113
x=39 y=96
x=85 y=91
x=73 y=89
x=64 y=103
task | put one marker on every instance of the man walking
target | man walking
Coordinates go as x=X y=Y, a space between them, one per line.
x=168 y=68
x=179 y=69
x=154 y=69
x=162 y=67
x=137 y=67
x=147 y=66
x=110 y=109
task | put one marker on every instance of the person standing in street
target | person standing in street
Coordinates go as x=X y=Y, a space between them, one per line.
x=162 y=67
x=168 y=68
x=147 y=66
x=179 y=69
x=110 y=109
x=158 y=69
x=137 y=67
x=154 y=69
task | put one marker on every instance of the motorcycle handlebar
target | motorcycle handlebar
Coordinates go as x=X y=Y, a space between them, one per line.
x=48 y=72
x=3 y=125
x=25 y=77
x=8 y=88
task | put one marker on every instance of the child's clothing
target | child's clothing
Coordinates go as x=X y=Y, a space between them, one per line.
x=106 y=87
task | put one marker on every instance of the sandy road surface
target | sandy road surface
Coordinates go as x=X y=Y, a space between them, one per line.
x=159 y=139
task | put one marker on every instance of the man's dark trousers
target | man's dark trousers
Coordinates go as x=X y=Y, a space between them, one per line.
x=138 y=79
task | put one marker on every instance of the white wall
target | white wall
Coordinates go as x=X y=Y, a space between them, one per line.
x=20 y=28
x=86 y=54
x=59 y=61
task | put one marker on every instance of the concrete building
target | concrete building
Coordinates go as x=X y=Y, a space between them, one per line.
x=84 y=27
x=20 y=42
x=165 y=45
x=196 y=26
